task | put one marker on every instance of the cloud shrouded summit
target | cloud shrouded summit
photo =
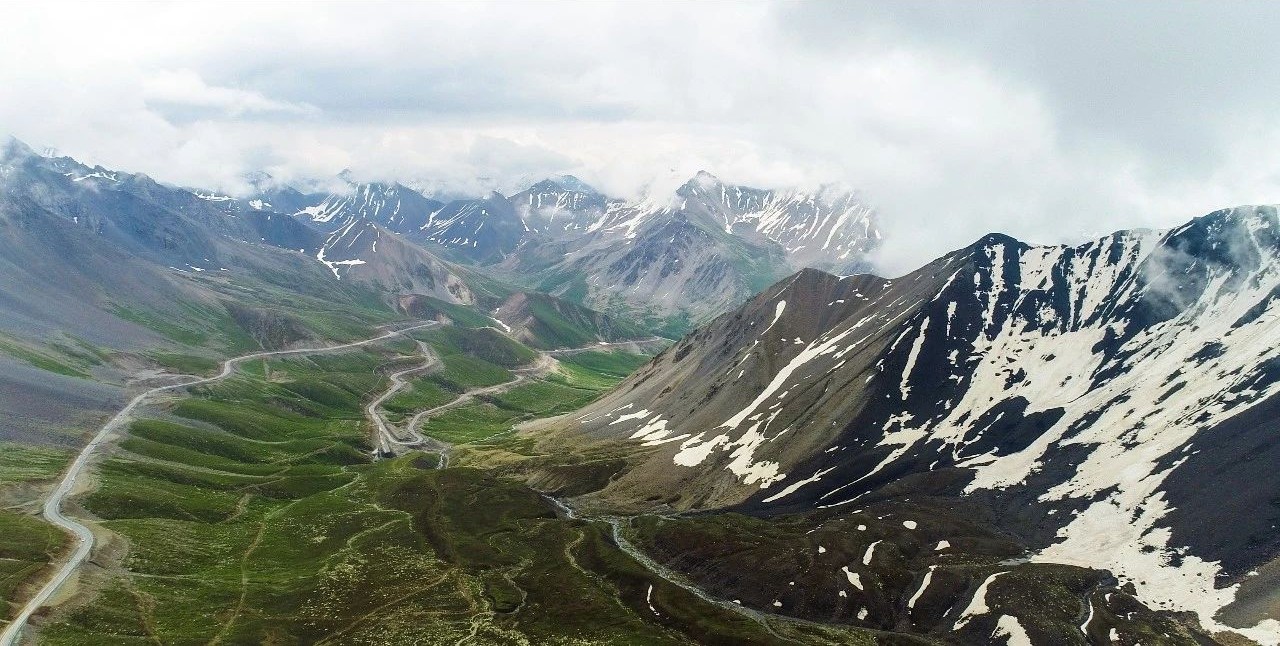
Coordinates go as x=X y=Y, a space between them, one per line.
x=1047 y=122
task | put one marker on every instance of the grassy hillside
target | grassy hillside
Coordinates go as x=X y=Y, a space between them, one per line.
x=484 y=344
x=495 y=415
x=28 y=545
x=547 y=322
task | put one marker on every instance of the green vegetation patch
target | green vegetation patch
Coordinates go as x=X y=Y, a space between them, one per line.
x=81 y=351
x=158 y=323
x=28 y=547
x=422 y=393
x=569 y=286
x=462 y=373
x=470 y=423
x=581 y=379
x=27 y=544
x=188 y=364
x=253 y=514
x=553 y=580
x=24 y=463
x=608 y=364
x=426 y=307
x=496 y=414
x=41 y=359
x=578 y=376
x=544 y=398
x=486 y=344
x=267 y=309
x=557 y=323
x=124 y=494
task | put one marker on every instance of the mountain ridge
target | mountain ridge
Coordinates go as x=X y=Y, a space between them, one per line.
x=1028 y=378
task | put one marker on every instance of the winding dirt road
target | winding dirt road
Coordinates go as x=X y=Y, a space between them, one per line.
x=540 y=368
x=638 y=346
x=386 y=438
x=83 y=535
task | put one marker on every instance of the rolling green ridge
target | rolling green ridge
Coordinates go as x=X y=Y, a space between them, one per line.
x=556 y=323
x=427 y=307
x=485 y=344
x=612 y=364
x=56 y=359
x=29 y=546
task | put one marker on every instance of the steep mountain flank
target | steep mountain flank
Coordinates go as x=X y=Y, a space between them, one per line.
x=394 y=206
x=559 y=208
x=1095 y=400
x=367 y=253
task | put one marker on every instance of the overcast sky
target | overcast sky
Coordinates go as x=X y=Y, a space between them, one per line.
x=1048 y=121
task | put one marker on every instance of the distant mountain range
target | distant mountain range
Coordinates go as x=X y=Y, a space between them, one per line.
x=118 y=260
x=671 y=262
x=97 y=262
x=709 y=246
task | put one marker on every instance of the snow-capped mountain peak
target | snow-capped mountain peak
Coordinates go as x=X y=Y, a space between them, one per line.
x=833 y=228
x=562 y=207
x=15 y=149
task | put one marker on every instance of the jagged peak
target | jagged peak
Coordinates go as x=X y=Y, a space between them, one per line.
x=259 y=180
x=811 y=273
x=701 y=181
x=563 y=184
x=704 y=176
x=15 y=149
x=494 y=196
x=548 y=185
x=1219 y=222
x=996 y=239
x=1234 y=216
x=807 y=279
x=573 y=183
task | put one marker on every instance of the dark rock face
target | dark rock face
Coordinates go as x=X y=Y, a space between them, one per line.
x=367 y=253
x=483 y=231
x=271 y=330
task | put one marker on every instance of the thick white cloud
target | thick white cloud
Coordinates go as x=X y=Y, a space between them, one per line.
x=1049 y=122
x=184 y=89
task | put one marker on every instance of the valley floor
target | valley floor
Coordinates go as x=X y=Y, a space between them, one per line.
x=249 y=512
x=246 y=508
